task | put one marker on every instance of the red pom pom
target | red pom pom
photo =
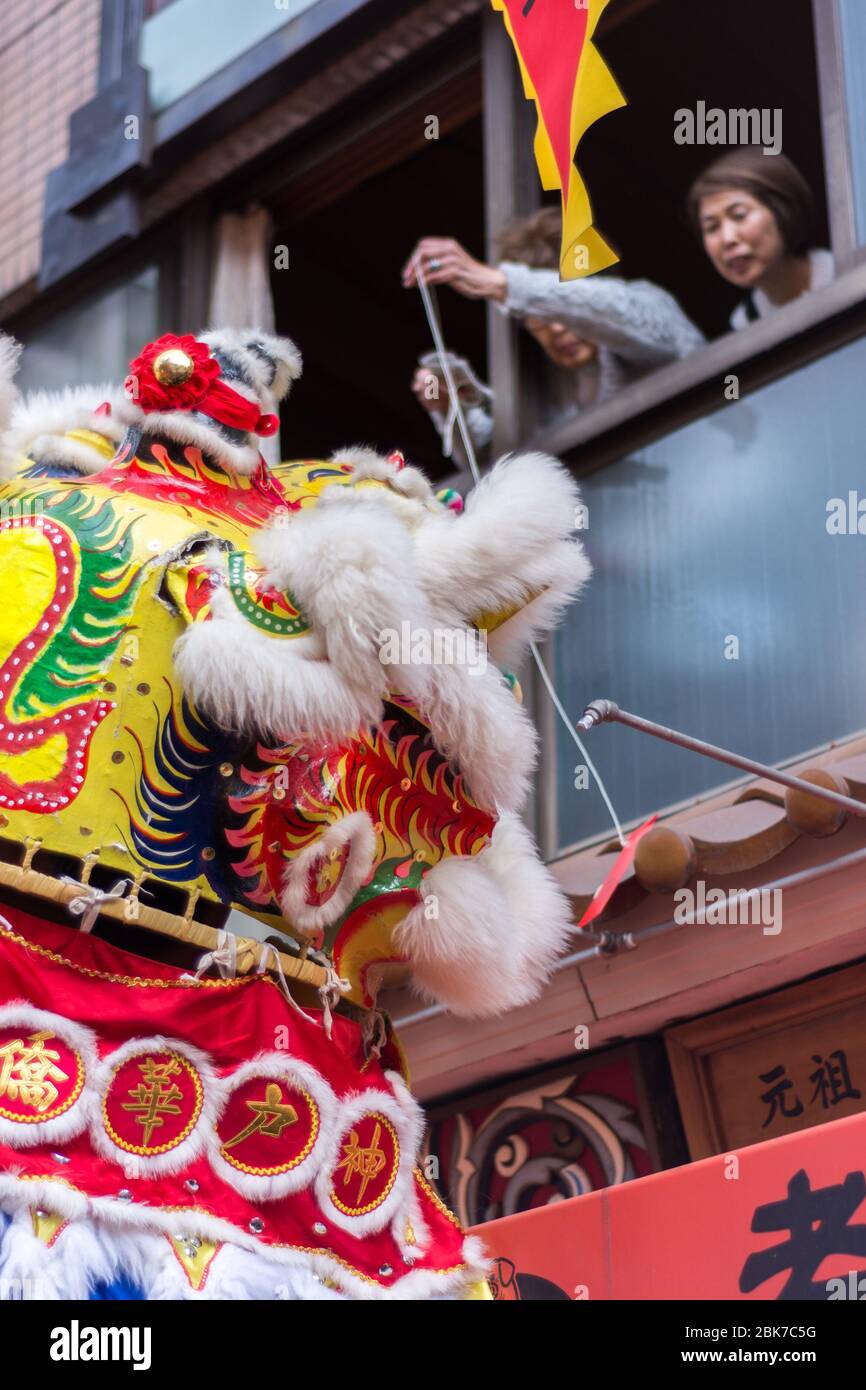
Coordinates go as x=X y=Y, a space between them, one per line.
x=146 y=390
x=268 y=425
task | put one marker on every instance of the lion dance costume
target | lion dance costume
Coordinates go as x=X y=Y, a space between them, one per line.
x=223 y=685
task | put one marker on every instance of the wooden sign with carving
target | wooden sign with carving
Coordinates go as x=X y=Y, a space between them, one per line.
x=774 y=1065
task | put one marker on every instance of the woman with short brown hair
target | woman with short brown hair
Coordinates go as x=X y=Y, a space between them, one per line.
x=754 y=214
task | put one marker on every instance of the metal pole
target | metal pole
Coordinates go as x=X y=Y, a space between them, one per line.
x=630 y=940
x=603 y=711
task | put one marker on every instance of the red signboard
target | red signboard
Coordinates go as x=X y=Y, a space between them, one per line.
x=781 y=1220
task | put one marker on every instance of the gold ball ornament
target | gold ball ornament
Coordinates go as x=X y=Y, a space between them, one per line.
x=664 y=860
x=173 y=367
x=810 y=815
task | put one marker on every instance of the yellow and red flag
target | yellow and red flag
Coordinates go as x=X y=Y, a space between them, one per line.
x=566 y=77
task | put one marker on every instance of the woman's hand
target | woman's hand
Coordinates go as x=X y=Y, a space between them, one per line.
x=444 y=261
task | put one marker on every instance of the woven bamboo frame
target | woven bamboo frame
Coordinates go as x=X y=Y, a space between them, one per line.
x=250 y=953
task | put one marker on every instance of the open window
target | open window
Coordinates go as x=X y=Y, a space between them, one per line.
x=739 y=57
x=348 y=210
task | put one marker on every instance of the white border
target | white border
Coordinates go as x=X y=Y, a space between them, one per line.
x=79 y=1115
x=357 y=830
x=184 y=1153
x=398 y=1201
x=288 y=1069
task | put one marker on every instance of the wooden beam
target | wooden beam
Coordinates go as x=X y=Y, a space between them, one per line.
x=250 y=953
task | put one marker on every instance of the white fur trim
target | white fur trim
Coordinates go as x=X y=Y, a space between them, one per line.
x=87 y=1251
x=66 y=1270
x=362 y=459
x=367 y=463
x=62 y=1127
x=556 y=578
x=184 y=1153
x=292 y=1072
x=479 y=726
x=54 y=1194
x=42 y=420
x=10 y=351
x=239 y=1275
x=409 y=1129
x=357 y=831
x=476 y=1256
x=180 y=426
x=351 y=569
x=75 y=454
x=407 y=510
x=352 y=573
x=412 y=1210
x=509 y=544
x=236 y=1275
x=503 y=922
x=250 y=682
x=270 y=374
x=139 y=1250
x=106 y=1238
x=406 y=492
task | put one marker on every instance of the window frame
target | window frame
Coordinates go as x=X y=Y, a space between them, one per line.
x=827 y=24
x=683 y=390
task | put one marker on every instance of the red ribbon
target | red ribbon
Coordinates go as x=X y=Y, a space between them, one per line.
x=230 y=408
x=621 y=865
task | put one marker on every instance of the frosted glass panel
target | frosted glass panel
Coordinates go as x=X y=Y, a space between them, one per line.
x=95 y=339
x=187 y=42
x=711 y=542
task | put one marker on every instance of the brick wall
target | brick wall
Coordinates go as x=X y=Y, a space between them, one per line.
x=49 y=50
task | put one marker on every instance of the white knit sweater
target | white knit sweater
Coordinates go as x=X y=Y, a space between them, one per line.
x=637 y=325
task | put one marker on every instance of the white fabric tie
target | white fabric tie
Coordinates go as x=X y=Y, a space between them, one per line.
x=88 y=903
x=269 y=950
x=331 y=993
x=224 y=957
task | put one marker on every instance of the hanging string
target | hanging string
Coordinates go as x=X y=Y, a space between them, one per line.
x=456 y=405
x=269 y=959
x=557 y=704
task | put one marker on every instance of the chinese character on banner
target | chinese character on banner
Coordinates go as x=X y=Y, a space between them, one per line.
x=818 y=1224
x=565 y=76
x=28 y=1071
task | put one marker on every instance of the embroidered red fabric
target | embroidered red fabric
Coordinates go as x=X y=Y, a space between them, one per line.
x=159 y=1096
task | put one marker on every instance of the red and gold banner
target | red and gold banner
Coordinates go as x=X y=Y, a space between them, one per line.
x=134 y=1097
x=781 y=1220
x=565 y=76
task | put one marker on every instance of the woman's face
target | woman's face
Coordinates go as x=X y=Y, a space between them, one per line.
x=741 y=236
x=563 y=347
